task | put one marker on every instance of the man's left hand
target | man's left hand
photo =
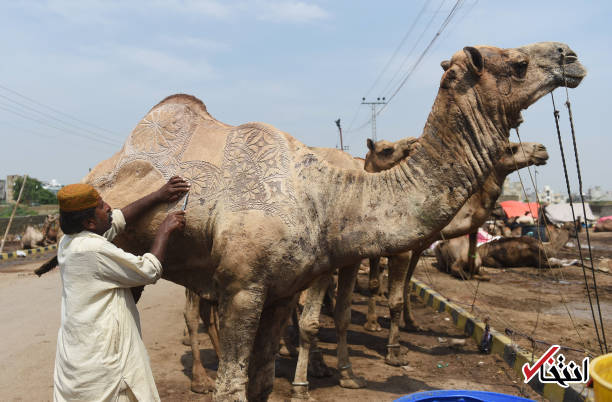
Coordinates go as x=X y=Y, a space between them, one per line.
x=173 y=190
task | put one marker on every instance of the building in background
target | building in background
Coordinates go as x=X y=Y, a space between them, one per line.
x=3 y=190
x=598 y=194
x=53 y=186
x=511 y=191
x=10 y=182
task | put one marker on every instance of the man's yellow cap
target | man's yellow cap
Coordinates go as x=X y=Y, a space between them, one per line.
x=77 y=197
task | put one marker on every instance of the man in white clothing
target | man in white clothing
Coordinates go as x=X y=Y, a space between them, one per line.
x=100 y=353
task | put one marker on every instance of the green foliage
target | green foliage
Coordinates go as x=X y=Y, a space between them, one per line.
x=5 y=211
x=33 y=192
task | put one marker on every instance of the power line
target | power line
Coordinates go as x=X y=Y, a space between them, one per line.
x=55 y=110
x=61 y=129
x=56 y=119
x=407 y=57
x=409 y=74
x=414 y=23
x=444 y=24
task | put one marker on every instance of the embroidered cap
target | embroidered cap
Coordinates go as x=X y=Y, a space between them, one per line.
x=77 y=197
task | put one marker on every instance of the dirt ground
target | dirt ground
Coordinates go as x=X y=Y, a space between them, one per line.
x=30 y=312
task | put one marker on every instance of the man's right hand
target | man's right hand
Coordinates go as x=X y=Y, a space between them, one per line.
x=174 y=221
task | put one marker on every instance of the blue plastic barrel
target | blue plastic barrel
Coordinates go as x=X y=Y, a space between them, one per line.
x=459 y=395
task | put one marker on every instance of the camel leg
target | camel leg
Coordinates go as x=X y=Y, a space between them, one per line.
x=201 y=383
x=374 y=285
x=309 y=326
x=261 y=365
x=287 y=346
x=342 y=318
x=409 y=321
x=239 y=316
x=471 y=257
x=398 y=267
x=210 y=318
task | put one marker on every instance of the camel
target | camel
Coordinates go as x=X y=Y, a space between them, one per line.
x=266 y=216
x=526 y=251
x=453 y=257
x=604 y=226
x=196 y=308
x=51 y=230
x=470 y=217
x=31 y=238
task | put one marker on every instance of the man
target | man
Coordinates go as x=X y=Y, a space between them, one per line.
x=100 y=354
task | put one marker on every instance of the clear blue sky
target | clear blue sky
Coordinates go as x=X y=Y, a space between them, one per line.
x=296 y=65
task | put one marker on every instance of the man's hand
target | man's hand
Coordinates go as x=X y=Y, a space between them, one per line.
x=174 y=221
x=173 y=190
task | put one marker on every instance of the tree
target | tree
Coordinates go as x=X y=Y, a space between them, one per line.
x=33 y=192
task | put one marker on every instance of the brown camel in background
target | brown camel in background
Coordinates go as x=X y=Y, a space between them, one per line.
x=526 y=251
x=467 y=221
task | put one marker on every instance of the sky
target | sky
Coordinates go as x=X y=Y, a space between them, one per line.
x=77 y=76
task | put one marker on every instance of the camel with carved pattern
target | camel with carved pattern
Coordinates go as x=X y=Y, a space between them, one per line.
x=266 y=216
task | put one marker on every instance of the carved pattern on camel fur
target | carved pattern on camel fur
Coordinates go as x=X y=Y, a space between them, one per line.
x=253 y=264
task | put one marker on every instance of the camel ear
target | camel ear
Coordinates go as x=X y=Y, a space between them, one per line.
x=475 y=61
x=370 y=144
x=445 y=64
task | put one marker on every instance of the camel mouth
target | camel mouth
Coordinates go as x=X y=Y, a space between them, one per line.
x=573 y=72
x=541 y=161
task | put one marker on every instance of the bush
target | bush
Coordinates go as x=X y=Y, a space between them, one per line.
x=34 y=193
x=5 y=211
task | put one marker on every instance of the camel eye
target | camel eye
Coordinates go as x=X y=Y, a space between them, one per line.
x=520 y=69
x=387 y=151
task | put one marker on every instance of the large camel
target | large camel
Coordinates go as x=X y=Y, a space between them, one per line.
x=474 y=213
x=266 y=216
x=197 y=308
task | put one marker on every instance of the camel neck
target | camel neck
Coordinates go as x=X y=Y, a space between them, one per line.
x=388 y=212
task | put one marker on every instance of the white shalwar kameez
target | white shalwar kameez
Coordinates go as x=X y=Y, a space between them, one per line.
x=100 y=354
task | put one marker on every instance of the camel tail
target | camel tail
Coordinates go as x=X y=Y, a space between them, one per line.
x=47 y=266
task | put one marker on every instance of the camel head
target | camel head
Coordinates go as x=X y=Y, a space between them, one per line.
x=519 y=155
x=383 y=155
x=506 y=81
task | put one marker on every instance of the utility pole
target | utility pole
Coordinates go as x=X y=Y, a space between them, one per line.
x=8 y=226
x=340 y=130
x=379 y=101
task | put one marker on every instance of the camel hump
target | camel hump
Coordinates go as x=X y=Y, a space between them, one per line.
x=192 y=102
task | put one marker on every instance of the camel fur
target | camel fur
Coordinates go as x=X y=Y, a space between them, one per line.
x=266 y=216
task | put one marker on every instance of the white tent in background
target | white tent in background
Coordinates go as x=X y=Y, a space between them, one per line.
x=560 y=213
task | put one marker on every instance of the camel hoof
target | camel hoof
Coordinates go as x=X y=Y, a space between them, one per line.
x=372 y=326
x=396 y=360
x=203 y=387
x=353 y=382
x=299 y=393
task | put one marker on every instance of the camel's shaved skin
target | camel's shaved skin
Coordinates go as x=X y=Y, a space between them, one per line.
x=282 y=216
